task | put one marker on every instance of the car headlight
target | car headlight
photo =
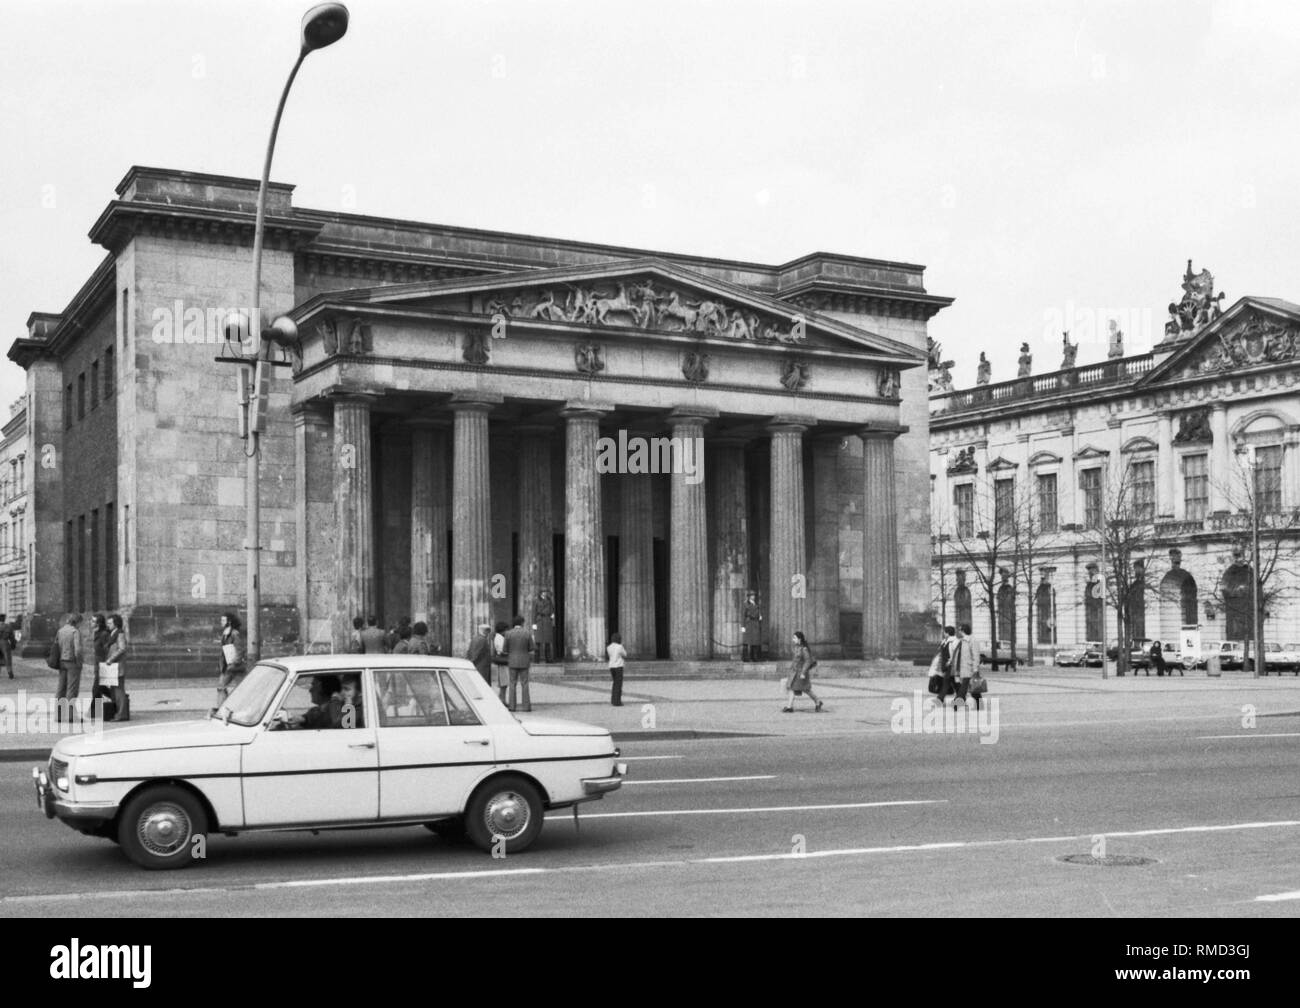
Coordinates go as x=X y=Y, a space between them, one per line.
x=61 y=782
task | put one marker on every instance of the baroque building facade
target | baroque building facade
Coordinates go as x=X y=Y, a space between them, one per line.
x=15 y=524
x=434 y=437
x=1161 y=461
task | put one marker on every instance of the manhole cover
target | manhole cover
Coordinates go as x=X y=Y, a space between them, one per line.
x=1109 y=861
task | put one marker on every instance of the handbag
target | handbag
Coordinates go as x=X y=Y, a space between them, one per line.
x=56 y=652
x=978 y=685
x=108 y=673
x=936 y=683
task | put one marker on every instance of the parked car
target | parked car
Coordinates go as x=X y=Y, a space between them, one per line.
x=428 y=744
x=1072 y=655
x=1231 y=654
x=1281 y=658
x=1006 y=656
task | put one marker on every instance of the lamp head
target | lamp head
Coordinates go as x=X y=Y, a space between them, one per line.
x=323 y=25
x=283 y=332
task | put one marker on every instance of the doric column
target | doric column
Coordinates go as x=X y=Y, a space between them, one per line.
x=536 y=534
x=879 y=543
x=789 y=572
x=1221 y=475
x=354 y=558
x=314 y=519
x=471 y=518
x=1165 y=478
x=636 y=574
x=731 y=544
x=689 y=605
x=584 y=536
x=824 y=566
x=429 y=588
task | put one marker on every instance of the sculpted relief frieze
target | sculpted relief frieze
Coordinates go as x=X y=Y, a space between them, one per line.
x=1258 y=340
x=642 y=304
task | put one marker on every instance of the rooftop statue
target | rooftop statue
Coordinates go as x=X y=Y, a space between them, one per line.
x=1069 y=351
x=1198 y=307
x=1116 y=340
x=985 y=370
x=1026 y=362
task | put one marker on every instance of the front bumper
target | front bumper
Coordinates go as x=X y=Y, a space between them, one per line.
x=79 y=816
x=594 y=787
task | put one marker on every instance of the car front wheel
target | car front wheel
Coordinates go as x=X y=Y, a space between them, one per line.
x=505 y=815
x=157 y=827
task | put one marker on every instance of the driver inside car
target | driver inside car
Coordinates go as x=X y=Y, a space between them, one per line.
x=325 y=709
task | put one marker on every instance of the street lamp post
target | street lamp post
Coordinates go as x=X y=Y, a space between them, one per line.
x=1257 y=622
x=323 y=25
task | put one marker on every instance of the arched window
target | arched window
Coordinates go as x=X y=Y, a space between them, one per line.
x=1235 y=588
x=1177 y=601
x=1137 y=603
x=1007 y=611
x=1091 y=612
x=1045 y=617
x=961 y=602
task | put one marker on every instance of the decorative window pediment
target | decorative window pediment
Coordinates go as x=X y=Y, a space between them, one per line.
x=1044 y=458
x=1001 y=464
x=1138 y=444
x=1091 y=452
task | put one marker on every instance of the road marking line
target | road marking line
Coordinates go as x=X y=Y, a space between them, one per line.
x=1253 y=735
x=701 y=780
x=739 y=811
x=1278 y=897
x=642 y=865
x=629 y=758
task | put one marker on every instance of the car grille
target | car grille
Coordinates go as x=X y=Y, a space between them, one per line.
x=58 y=768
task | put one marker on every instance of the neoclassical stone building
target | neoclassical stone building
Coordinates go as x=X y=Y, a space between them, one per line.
x=434 y=438
x=1172 y=429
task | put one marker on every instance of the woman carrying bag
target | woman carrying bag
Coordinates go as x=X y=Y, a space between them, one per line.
x=114 y=674
x=800 y=680
x=230 y=665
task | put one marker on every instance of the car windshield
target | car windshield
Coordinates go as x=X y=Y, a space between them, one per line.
x=247 y=704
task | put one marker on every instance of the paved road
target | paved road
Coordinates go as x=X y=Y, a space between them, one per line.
x=888 y=824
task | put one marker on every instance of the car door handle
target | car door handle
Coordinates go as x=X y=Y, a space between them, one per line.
x=362 y=745
x=476 y=741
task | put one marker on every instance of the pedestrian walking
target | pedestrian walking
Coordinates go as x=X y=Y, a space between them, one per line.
x=500 y=662
x=942 y=665
x=519 y=657
x=420 y=639
x=800 y=681
x=68 y=643
x=99 y=645
x=480 y=651
x=751 y=629
x=544 y=626
x=1158 y=658
x=114 y=677
x=372 y=638
x=617 y=656
x=7 y=644
x=964 y=664
x=230 y=668
x=354 y=642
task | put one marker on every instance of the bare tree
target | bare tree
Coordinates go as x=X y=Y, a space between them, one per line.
x=1032 y=536
x=1122 y=535
x=982 y=541
x=1279 y=544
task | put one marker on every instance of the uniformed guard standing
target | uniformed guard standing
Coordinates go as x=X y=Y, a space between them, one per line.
x=544 y=626
x=751 y=629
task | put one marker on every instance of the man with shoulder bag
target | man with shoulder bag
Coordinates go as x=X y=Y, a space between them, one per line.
x=941 y=667
x=964 y=663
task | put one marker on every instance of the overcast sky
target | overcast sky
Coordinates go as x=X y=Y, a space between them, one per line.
x=1051 y=165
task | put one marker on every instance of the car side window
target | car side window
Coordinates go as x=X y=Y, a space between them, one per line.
x=410 y=698
x=298 y=700
x=459 y=712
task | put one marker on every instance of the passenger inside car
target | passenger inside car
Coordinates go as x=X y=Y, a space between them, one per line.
x=350 y=715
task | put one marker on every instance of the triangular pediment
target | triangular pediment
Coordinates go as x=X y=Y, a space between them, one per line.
x=649 y=296
x=1001 y=464
x=1254 y=333
x=1091 y=452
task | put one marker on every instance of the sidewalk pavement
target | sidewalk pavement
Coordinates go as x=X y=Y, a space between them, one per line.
x=701 y=708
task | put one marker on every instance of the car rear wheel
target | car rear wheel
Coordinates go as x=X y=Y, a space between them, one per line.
x=505 y=815
x=157 y=827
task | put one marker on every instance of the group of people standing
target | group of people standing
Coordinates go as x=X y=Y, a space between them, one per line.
x=505 y=654
x=109 y=647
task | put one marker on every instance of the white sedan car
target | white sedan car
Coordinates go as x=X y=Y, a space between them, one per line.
x=331 y=742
